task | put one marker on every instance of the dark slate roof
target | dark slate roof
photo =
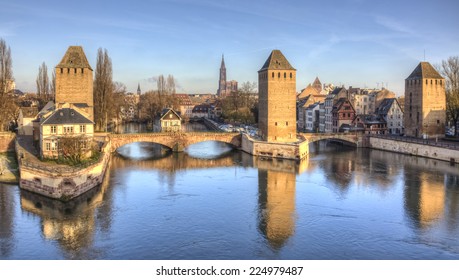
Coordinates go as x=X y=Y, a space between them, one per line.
x=371 y=119
x=337 y=90
x=164 y=112
x=66 y=116
x=74 y=58
x=385 y=106
x=277 y=61
x=424 y=71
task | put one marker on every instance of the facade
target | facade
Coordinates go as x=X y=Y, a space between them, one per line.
x=329 y=102
x=74 y=81
x=25 y=120
x=201 y=111
x=390 y=110
x=170 y=121
x=342 y=113
x=225 y=87
x=65 y=122
x=425 y=103
x=312 y=118
x=322 y=117
x=277 y=99
x=185 y=105
x=370 y=124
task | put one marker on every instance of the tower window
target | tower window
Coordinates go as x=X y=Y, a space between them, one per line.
x=427 y=82
x=436 y=82
x=275 y=123
x=286 y=123
x=278 y=75
x=68 y=70
x=285 y=75
x=290 y=75
x=273 y=75
x=431 y=82
x=62 y=70
x=82 y=70
x=75 y=70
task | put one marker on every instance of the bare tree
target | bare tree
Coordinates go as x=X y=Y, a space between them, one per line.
x=6 y=67
x=8 y=108
x=43 y=83
x=52 y=86
x=74 y=148
x=103 y=89
x=170 y=85
x=450 y=70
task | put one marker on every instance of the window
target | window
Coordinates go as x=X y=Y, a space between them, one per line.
x=285 y=75
x=82 y=70
x=273 y=75
x=82 y=128
x=68 y=129
x=278 y=75
x=290 y=75
x=286 y=123
x=53 y=129
x=62 y=70
x=427 y=82
x=47 y=146
x=275 y=123
x=75 y=70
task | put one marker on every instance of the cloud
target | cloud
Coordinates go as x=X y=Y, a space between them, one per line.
x=393 y=25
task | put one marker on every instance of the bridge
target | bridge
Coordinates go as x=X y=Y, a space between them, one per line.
x=348 y=138
x=177 y=141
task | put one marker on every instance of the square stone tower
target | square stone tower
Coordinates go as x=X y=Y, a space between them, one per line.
x=277 y=99
x=425 y=103
x=74 y=81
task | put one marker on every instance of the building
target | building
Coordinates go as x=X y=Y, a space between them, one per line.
x=185 y=105
x=74 y=81
x=342 y=113
x=425 y=102
x=370 y=124
x=329 y=102
x=170 y=121
x=225 y=87
x=390 y=110
x=71 y=118
x=201 y=111
x=312 y=117
x=25 y=120
x=277 y=99
x=66 y=122
x=322 y=117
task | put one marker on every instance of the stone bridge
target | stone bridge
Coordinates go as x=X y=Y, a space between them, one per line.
x=177 y=141
x=350 y=138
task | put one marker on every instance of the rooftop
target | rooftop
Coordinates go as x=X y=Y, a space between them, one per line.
x=424 y=70
x=66 y=116
x=74 y=58
x=277 y=61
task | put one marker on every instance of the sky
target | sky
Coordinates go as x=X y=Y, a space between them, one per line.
x=359 y=43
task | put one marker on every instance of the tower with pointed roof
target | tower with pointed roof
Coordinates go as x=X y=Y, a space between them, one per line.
x=425 y=102
x=74 y=81
x=277 y=99
x=317 y=85
x=222 y=80
x=138 y=89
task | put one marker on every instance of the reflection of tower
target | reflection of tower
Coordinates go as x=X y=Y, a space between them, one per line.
x=6 y=220
x=276 y=202
x=71 y=223
x=424 y=197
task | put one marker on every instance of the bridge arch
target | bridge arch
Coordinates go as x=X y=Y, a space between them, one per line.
x=347 y=138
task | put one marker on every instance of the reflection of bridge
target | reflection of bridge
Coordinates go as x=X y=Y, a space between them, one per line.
x=176 y=141
x=179 y=141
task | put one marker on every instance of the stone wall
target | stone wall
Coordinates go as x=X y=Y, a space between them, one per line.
x=275 y=150
x=415 y=149
x=59 y=184
x=7 y=140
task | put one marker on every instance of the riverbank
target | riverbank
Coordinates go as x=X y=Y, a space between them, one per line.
x=9 y=170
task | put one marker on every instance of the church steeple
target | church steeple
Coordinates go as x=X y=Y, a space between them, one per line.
x=222 y=81
x=138 y=89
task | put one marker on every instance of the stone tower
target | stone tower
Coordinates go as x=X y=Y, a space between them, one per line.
x=277 y=99
x=425 y=102
x=222 y=81
x=74 y=81
x=317 y=85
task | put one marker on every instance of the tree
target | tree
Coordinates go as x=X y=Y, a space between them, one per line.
x=43 y=86
x=450 y=70
x=8 y=108
x=103 y=89
x=74 y=148
x=52 y=86
x=240 y=105
x=6 y=67
x=170 y=85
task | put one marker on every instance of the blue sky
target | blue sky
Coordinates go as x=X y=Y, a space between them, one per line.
x=351 y=42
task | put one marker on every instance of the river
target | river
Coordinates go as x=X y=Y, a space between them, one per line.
x=212 y=202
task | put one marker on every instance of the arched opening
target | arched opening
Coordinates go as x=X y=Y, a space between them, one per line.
x=209 y=149
x=143 y=150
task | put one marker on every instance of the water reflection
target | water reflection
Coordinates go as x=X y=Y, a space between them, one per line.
x=381 y=205
x=7 y=208
x=73 y=224
x=276 y=202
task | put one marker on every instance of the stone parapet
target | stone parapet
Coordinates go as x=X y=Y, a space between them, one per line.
x=294 y=151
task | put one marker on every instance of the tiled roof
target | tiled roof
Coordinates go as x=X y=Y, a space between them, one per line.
x=66 y=116
x=424 y=71
x=277 y=61
x=74 y=58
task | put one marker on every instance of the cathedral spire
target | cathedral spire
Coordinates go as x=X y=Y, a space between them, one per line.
x=223 y=62
x=138 y=89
